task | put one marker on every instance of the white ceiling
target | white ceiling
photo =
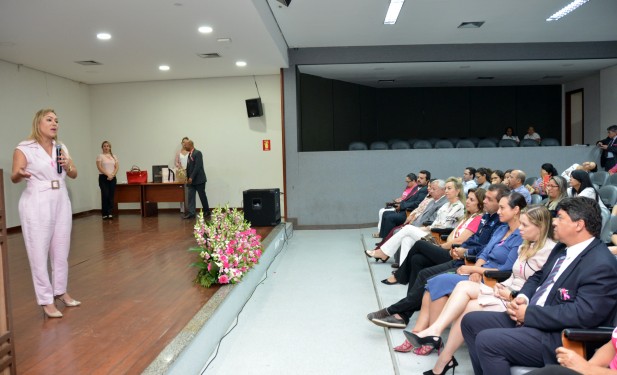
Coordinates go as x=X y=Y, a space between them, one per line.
x=50 y=35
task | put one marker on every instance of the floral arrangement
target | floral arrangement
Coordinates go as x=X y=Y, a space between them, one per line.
x=227 y=246
x=564 y=294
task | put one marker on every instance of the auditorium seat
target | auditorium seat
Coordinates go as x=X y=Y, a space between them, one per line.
x=536 y=199
x=378 y=145
x=530 y=181
x=550 y=142
x=486 y=143
x=599 y=178
x=354 y=146
x=507 y=143
x=400 y=145
x=494 y=139
x=606 y=233
x=433 y=140
x=393 y=141
x=612 y=179
x=421 y=144
x=475 y=140
x=529 y=143
x=608 y=194
x=443 y=143
x=454 y=140
x=412 y=141
x=465 y=143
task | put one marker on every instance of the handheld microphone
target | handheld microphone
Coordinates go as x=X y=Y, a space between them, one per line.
x=58 y=154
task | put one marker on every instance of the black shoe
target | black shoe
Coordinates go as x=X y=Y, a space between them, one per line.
x=389 y=322
x=378 y=314
x=417 y=341
x=451 y=365
x=188 y=216
x=395 y=265
x=385 y=281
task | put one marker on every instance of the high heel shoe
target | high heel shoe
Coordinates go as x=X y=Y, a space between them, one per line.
x=415 y=340
x=371 y=254
x=451 y=365
x=72 y=303
x=55 y=314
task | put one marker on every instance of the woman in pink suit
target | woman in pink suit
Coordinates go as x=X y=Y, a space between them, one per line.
x=45 y=209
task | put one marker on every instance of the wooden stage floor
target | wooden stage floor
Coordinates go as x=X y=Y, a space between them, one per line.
x=133 y=278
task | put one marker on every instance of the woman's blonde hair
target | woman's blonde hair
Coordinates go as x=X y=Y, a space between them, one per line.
x=541 y=217
x=36 y=132
x=109 y=143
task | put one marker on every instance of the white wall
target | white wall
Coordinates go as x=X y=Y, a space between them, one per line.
x=145 y=122
x=608 y=97
x=24 y=91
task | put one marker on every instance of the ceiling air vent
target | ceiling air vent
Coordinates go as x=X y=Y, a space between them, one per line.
x=471 y=25
x=552 y=77
x=485 y=78
x=211 y=55
x=385 y=81
x=88 y=62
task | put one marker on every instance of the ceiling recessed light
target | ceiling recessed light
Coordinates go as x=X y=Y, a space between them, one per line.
x=393 y=10
x=224 y=40
x=164 y=68
x=205 y=29
x=241 y=63
x=565 y=10
x=103 y=36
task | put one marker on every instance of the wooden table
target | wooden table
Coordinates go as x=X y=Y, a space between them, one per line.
x=148 y=195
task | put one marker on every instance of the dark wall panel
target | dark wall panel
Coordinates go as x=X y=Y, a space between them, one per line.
x=345 y=113
x=445 y=112
x=316 y=120
x=539 y=106
x=492 y=110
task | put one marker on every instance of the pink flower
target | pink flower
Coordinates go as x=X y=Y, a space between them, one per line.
x=223 y=279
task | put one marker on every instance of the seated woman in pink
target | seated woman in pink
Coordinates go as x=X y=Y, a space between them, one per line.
x=604 y=361
x=408 y=187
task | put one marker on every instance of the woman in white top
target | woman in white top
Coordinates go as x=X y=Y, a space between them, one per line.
x=107 y=164
x=182 y=158
x=581 y=186
x=447 y=217
x=510 y=135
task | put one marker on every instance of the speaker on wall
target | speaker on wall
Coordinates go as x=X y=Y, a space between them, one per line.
x=262 y=207
x=254 y=108
x=284 y=2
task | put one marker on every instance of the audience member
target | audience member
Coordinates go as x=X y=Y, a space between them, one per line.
x=468 y=179
x=587 y=166
x=498 y=255
x=391 y=219
x=410 y=186
x=577 y=287
x=472 y=296
x=581 y=186
x=510 y=135
x=517 y=178
x=497 y=177
x=604 y=361
x=608 y=145
x=556 y=190
x=107 y=164
x=531 y=134
x=398 y=314
x=547 y=170
x=482 y=177
x=506 y=177
x=446 y=217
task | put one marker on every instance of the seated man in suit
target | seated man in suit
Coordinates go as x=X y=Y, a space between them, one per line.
x=577 y=287
x=608 y=145
x=391 y=219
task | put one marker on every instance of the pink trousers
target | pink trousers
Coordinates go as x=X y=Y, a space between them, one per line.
x=46 y=221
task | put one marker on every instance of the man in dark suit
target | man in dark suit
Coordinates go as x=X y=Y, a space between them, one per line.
x=196 y=181
x=391 y=219
x=577 y=287
x=608 y=159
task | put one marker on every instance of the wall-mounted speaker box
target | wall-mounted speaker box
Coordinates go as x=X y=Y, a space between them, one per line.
x=254 y=108
x=284 y=2
x=262 y=207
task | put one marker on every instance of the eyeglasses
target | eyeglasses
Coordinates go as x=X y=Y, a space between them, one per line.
x=552 y=186
x=407 y=181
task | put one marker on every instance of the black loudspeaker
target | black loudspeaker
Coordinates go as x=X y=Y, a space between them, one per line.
x=284 y=2
x=157 y=173
x=262 y=207
x=254 y=108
